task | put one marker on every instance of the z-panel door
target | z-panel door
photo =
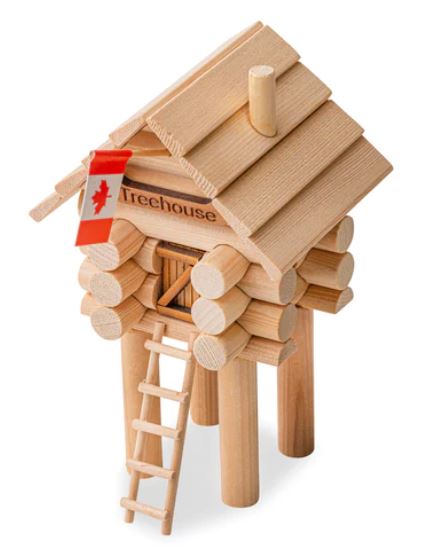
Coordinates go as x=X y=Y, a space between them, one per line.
x=177 y=294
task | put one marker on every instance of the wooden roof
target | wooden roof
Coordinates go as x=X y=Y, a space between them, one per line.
x=279 y=194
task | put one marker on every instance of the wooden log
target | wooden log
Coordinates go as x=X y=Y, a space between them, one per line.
x=238 y=419
x=257 y=284
x=267 y=320
x=213 y=316
x=112 y=323
x=124 y=242
x=148 y=292
x=325 y=299
x=148 y=258
x=204 y=400
x=218 y=272
x=86 y=271
x=84 y=249
x=300 y=289
x=258 y=349
x=295 y=393
x=267 y=351
x=111 y=288
x=88 y=304
x=329 y=269
x=135 y=359
x=214 y=352
x=262 y=99
x=340 y=237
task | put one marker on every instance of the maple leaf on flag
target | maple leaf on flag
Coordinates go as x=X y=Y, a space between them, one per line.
x=100 y=196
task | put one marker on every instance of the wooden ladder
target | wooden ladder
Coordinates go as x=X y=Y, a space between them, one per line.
x=150 y=390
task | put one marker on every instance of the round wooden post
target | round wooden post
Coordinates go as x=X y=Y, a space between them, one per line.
x=295 y=393
x=135 y=360
x=204 y=401
x=238 y=417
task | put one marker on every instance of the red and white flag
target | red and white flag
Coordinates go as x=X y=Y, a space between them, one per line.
x=106 y=171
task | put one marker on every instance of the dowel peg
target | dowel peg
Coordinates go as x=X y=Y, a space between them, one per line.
x=262 y=99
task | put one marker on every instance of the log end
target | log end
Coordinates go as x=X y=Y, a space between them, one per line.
x=345 y=271
x=208 y=316
x=209 y=282
x=287 y=322
x=214 y=352
x=344 y=299
x=345 y=234
x=106 y=291
x=287 y=286
x=112 y=323
x=105 y=256
x=88 y=305
x=324 y=299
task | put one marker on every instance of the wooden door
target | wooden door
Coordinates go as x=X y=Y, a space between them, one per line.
x=177 y=294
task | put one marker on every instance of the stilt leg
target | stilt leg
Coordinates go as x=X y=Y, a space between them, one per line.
x=238 y=416
x=204 y=401
x=134 y=367
x=295 y=393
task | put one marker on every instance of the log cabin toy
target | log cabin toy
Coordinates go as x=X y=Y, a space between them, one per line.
x=230 y=229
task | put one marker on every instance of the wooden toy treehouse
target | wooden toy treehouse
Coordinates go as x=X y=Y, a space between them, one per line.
x=230 y=229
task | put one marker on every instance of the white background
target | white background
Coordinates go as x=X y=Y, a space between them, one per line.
x=71 y=72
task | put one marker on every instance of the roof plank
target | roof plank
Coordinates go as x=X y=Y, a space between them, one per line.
x=285 y=170
x=220 y=158
x=316 y=209
x=72 y=183
x=200 y=108
x=48 y=205
x=126 y=130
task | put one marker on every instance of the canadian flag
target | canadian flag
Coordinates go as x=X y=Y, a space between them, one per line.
x=106 y=171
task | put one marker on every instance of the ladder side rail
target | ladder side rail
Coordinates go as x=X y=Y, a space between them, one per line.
x=150 y=377
x=182 y=421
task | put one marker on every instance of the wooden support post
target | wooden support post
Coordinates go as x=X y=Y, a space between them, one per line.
x=262 y=99
x=135 y=359
x=295 y=393
x=238 y=417
x=204 y=400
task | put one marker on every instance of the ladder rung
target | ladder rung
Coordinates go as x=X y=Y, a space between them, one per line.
x=154 y=390
x=155 y=429
x=135 y=506
x=150 y=469
x=165 y=349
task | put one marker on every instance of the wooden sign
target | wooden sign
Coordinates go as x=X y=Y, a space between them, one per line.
x=171 y=202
